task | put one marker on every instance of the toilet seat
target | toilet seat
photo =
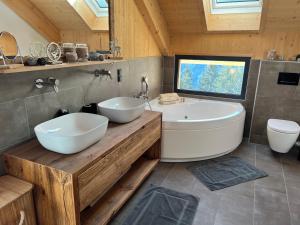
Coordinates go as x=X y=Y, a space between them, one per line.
x=284 y=126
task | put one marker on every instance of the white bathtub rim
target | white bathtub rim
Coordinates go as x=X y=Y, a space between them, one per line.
x=239 y=106
x=236 y=117
x=200 y=158
x=210 y=124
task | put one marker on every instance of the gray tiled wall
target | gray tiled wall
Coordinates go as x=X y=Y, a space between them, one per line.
x=273 y=100
x=168 y=84
x=22 y=106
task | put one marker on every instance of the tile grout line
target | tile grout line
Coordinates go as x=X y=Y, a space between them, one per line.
x=254 y=101
x=218 y=208
x=27 y=118
x=253 y=214
x=161 y=183
x=286 y=191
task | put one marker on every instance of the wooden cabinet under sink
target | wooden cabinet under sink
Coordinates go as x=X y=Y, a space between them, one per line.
x=89 y=187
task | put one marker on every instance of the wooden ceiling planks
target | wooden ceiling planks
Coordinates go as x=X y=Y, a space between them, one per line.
x=187 y=16
x=183 y=16
x=61 y=13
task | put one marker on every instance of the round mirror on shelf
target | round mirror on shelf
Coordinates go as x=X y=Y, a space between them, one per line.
x=8 y=45
x=9 y=49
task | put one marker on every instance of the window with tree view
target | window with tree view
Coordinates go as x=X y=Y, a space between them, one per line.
x=212 y=75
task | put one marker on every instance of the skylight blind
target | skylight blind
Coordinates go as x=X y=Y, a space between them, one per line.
x=235 y=1
x=102 y=3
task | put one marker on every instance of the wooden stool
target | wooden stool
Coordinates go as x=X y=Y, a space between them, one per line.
x=16 y=202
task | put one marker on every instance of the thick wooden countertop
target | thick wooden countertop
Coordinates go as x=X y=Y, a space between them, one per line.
x=115 y=135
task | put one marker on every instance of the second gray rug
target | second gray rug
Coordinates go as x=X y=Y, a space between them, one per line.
x=224 y=172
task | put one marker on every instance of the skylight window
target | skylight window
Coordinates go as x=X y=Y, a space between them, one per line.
x=234 y=1
x=99 y=7
x=235 y=6
x=102 y=4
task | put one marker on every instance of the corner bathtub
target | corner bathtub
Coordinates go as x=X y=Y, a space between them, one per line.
x=200 y=129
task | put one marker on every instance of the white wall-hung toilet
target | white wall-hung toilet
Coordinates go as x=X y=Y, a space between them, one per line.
x=282 y=134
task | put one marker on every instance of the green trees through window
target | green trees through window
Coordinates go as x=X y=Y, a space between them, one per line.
x=212 y=76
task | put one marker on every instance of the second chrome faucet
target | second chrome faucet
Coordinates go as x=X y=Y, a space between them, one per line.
x=48 y=82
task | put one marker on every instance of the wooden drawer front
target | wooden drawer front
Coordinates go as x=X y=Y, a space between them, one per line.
x=96 y=180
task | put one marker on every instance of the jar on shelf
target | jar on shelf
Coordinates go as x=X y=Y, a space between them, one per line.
x=82 y=51
x=69 y=52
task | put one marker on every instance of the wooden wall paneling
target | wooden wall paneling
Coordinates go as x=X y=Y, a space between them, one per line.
x=95 y=40
x=35 y=17
x=254 y=45
x=282 y=15
x=132 y=32
x=152 y=14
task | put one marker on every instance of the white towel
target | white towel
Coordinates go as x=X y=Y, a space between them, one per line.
x=170 y=98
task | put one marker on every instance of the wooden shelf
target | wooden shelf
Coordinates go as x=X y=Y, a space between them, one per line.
x=102 y=212
x=51 y=67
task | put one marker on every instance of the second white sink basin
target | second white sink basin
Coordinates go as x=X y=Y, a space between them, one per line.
x=71 y=133
x=122 y=109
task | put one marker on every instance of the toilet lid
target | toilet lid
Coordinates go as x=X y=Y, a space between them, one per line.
x=284 y=126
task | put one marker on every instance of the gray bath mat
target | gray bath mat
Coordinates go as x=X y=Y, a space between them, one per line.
x=161 y=206
x=224 y=172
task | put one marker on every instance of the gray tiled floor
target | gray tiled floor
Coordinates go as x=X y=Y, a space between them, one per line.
x=274 y=200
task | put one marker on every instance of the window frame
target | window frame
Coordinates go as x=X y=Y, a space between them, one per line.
x=96 y=9
x=236 y=7
x=242 y=96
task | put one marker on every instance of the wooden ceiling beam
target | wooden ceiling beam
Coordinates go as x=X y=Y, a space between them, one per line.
x=155 y=20
x=33 y=16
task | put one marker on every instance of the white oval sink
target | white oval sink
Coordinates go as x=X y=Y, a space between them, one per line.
x=71 y=133
x=122 y=109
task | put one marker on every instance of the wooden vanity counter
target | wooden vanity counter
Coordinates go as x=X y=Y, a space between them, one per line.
x=89 y=187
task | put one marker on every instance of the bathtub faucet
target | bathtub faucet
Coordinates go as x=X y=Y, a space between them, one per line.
x=144 y=94
x=144 y=88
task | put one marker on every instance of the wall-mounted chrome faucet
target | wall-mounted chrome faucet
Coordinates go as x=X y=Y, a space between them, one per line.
x=103 y=73
x=48 y=82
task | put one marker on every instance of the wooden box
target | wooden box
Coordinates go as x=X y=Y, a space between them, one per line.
x=16 y=202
